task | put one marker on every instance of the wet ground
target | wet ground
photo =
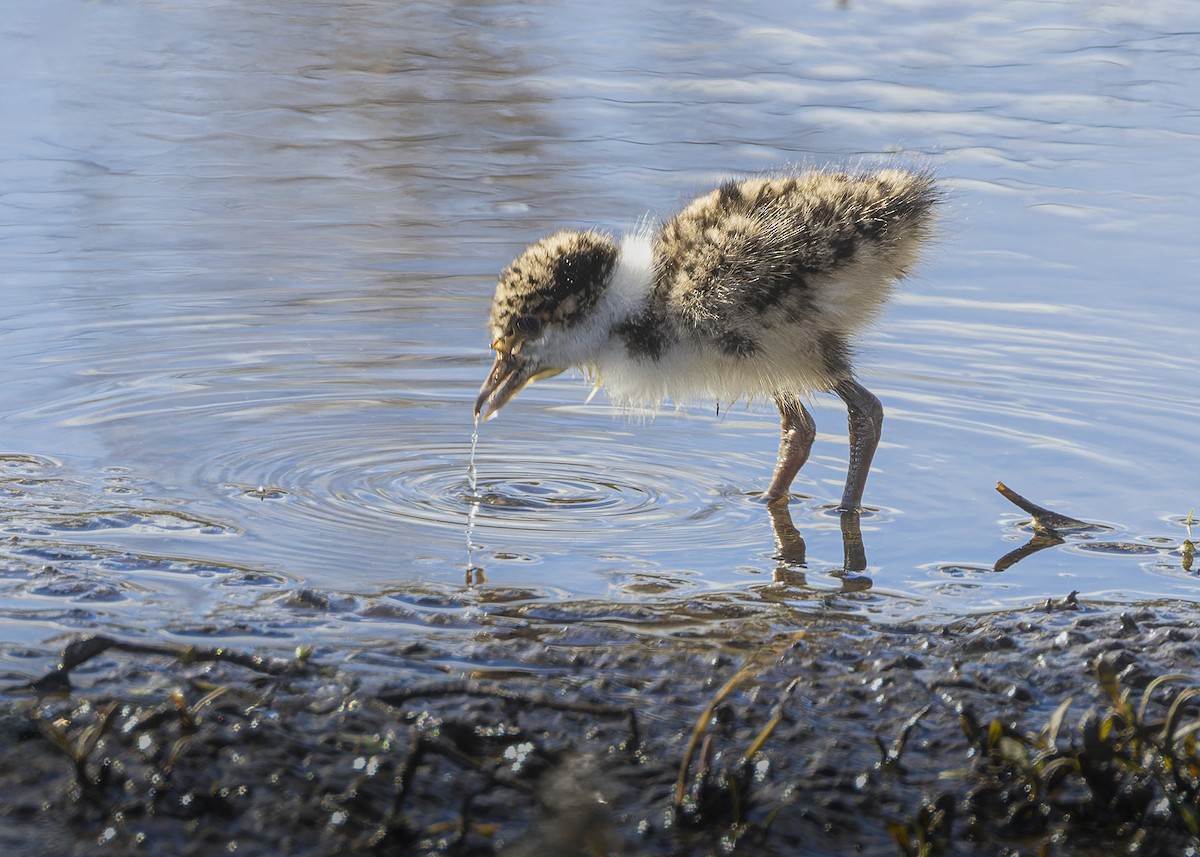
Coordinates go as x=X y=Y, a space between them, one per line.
x=1035 y=732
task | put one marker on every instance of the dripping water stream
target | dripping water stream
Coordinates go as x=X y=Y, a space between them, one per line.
x=473 y=571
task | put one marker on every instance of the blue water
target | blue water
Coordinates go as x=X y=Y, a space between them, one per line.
x=246 y=254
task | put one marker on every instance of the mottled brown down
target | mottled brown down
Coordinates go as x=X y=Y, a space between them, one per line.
x=753 y=290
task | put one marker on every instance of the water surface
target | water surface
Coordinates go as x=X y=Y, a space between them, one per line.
x=247 y=252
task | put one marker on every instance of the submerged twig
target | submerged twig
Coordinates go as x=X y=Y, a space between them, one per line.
x=750 y=668
x=1048 y=528
x=772 y=723
x=80 y=651
x=700 y=729
x=1046 y=520
x=469 y=687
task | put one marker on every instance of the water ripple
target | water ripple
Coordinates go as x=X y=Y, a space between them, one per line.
x=354 y=486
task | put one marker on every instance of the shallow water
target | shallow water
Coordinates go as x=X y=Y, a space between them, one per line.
x=247 y=252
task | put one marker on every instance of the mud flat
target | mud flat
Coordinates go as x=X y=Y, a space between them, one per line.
x=1066 y=728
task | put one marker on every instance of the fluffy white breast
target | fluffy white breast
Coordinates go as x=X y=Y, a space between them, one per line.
x=628 y=286
x=688 y=374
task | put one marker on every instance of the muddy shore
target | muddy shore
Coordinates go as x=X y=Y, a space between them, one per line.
x=1032 y=732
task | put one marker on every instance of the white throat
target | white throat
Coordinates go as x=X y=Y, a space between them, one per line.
x=588 y=344
x=629 y=285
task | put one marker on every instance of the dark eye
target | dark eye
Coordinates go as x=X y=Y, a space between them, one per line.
x=530 y=325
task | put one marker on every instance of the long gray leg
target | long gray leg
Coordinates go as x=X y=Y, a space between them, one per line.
x=866 y=424
x=794 y=446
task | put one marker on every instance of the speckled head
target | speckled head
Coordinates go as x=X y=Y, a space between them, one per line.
x=547 y=291
x=556 y=281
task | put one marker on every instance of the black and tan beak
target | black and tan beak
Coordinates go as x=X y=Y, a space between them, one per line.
x=508 y=376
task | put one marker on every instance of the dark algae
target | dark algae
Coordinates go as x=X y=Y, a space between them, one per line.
x=1069 y=728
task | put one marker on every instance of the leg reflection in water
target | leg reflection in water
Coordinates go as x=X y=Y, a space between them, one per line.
x=791 y=552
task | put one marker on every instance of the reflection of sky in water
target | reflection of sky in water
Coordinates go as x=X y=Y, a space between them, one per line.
x=253 y=245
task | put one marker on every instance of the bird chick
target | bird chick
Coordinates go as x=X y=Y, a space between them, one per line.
x=753 y=290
